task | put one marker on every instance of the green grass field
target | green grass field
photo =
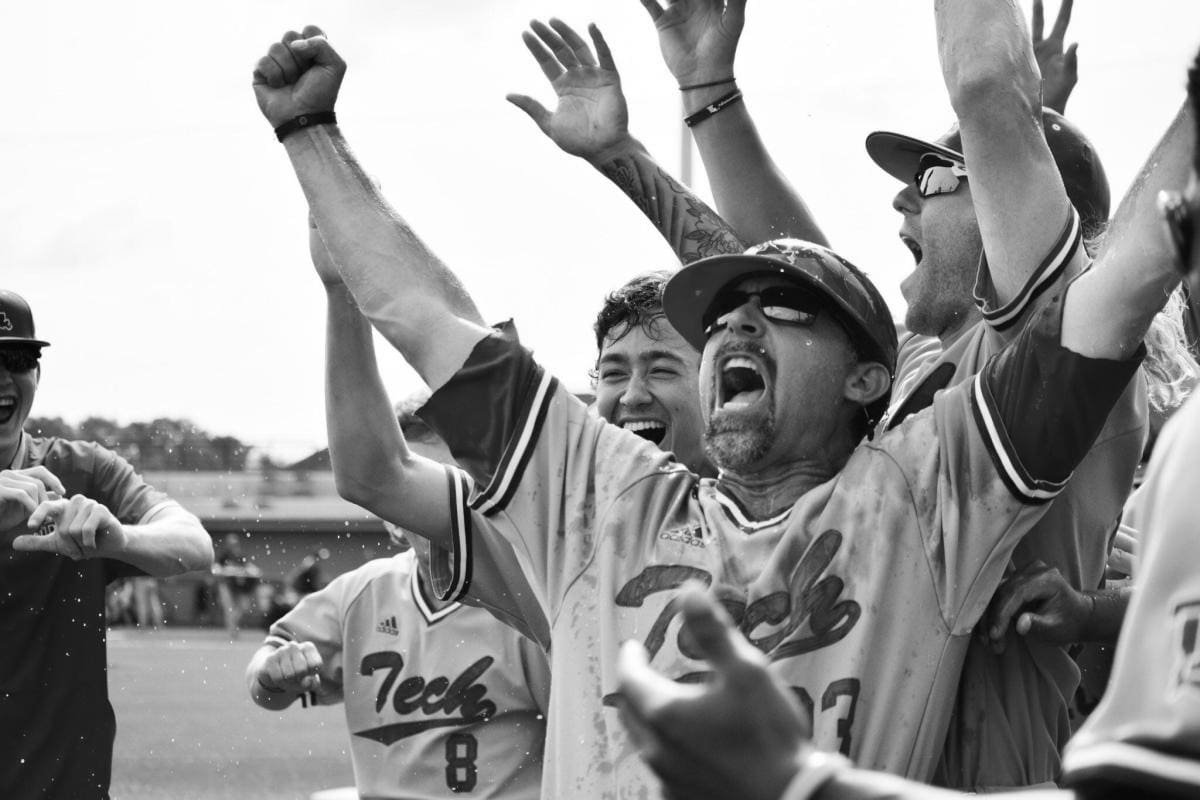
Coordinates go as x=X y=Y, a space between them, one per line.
x=187 y=730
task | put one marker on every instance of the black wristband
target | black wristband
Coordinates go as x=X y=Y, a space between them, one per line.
x=730 y=79
x=305 y=121
x=715 y=107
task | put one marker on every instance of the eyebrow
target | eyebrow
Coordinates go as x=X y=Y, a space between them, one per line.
x=648 y=355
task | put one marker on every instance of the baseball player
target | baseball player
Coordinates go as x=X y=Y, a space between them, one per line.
x=992 y=227
x=440 y=698
x=73 y=517
x=860 y=567
x=1143 y=740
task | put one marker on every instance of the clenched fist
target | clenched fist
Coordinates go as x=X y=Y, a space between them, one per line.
x=300 y=74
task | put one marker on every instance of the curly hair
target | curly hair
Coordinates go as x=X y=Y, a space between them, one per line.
x=637 y=303
x=1171 y=371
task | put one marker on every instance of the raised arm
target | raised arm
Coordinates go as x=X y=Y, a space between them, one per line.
x=699 y=42
x=1109 y=309
x=995 y=88
x=406 y=292
x=372 y=465
x=1059 y=65
x=591 y=121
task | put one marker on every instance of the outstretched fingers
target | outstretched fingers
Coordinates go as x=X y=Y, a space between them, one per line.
x=603 y=53
x=1062 y=20
x=579 y=47
x=556 y=44
x=653 y=9
x=1037 y=23
x=545 y=59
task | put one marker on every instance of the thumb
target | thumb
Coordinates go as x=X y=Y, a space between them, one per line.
x=536 y=111
x=712 y=631
x=1035 y=625
x=1070 y=60
x=34 y=543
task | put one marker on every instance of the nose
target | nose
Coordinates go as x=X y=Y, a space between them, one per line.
x=636 y=392
x=747 y=319
x=907 y=201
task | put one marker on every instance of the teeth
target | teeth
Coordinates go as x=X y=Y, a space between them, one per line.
x=7 y=401
x=741 y=362
x=642 y=425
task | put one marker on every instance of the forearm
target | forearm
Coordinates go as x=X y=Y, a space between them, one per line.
x=1109 y=309
x=406 y=292
x=691 y=228
x=172 y=544
x=364 y=437
x=751 y=192
x=1107 y=614
x=273 y=699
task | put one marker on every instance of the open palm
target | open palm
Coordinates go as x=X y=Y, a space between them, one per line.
x=591 y=117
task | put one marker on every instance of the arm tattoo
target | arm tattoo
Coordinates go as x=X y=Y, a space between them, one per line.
x=693 y=230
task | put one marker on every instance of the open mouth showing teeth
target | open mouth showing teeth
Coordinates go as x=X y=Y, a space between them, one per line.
x=8 y=407
x=741 y=383
x=647 y=429
x=913 y=248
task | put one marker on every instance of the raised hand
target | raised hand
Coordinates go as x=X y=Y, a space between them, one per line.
x=1040 y=604
x=741 y=734
x=1059 y=67
x=78 y=528
x=294 y=668
x=300 y=74
x=591 y=120
x=698 y=37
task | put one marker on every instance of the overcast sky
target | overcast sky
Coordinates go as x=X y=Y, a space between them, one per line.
x=155 y=225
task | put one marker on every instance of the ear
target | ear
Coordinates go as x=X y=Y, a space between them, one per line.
x=866 y=382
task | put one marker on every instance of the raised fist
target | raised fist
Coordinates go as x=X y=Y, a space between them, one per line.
x=300 y=74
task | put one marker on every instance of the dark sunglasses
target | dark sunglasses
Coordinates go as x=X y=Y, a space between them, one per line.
x=18 y=360
x=938 y=175
x=1181 y=227
x=788 y=304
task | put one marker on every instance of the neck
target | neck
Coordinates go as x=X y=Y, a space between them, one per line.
x=768 y=492
x=950 y=335
x=8 y=452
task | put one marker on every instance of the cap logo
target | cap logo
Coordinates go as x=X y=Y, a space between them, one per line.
x=5 y=322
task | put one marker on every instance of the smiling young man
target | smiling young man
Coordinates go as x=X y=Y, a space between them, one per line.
x=73 y=516
x=860 y=567
x=646 y=374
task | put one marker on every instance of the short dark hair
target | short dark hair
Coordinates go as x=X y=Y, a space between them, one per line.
x=637 y=303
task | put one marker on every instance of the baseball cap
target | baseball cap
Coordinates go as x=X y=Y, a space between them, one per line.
x=854 y=299
x=1078 y=163
x=16 y=321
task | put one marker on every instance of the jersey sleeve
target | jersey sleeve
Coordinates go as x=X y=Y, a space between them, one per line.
x=319 y=618
x=1050 y=273
x=1007 y=442
x=545 y=469
x=121 y=489
x=1144 y=738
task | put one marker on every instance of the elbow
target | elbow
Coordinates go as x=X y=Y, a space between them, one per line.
x=360 y=493
x=196 y=554
x=993 y=82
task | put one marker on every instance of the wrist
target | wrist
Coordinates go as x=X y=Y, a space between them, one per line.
x=701 y=95
x=623 y=148
x=814 y=769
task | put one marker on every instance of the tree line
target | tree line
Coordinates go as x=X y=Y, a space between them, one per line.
x=162 y=444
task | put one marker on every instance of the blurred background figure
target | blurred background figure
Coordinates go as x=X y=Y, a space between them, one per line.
x=237 y=577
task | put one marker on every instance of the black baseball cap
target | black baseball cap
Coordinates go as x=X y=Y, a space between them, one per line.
x=852 y=296
x=1078 y=163
x=16 y=322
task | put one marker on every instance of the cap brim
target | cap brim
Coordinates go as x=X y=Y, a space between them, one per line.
x=16 y=340
x=899 y=155
x=690 y=292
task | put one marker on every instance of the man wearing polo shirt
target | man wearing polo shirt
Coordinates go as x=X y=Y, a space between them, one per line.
x=73 y=516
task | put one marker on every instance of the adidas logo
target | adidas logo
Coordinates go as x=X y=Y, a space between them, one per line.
x=388 y=626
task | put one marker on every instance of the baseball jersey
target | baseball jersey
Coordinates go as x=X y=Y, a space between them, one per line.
x=1144 y=738
x=1011 y=716
x=437 y=702
x=56 y=723
x=863 y=593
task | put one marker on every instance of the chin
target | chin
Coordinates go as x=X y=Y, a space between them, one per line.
x=739 y=443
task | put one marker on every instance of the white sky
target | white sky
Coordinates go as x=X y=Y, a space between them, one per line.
x=154 y=223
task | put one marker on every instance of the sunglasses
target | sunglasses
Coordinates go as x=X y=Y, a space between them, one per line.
x=938 y=175
x=18 y=360
x=1180 y=226
x=787 y=304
